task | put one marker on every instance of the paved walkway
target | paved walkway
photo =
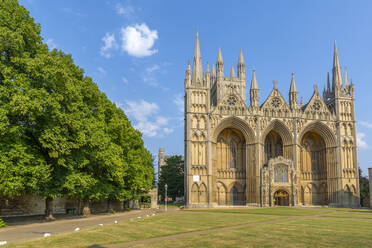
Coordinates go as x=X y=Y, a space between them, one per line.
x=26 y=230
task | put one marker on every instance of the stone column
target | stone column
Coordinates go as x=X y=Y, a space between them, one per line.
x=370 y=187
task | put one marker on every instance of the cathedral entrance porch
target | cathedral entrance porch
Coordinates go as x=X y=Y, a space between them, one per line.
x=281 y=198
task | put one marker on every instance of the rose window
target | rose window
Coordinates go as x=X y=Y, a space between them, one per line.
x=231 y=101
x=275 y=102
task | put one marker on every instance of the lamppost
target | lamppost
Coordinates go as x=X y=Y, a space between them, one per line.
x=166 y=197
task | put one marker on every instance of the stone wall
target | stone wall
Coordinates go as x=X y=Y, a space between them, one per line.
x=27 y=205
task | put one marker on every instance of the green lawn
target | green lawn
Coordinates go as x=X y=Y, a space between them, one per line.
x=291 y=227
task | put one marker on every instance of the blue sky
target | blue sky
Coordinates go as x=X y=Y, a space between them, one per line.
x=137 y=51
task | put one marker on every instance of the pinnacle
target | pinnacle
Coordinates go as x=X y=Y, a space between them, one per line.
x=241 y=59
x=219 y=59
x=346 y=78
x=232 y=73
x=293 y=87
x=254 y=85
x=213 y=70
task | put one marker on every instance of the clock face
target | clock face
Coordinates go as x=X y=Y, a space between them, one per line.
x=276 y=102
x=231 y=101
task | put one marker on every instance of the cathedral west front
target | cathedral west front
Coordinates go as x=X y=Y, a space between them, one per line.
x=274 y=153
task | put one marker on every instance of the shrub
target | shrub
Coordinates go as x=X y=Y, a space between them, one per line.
x=2 y=223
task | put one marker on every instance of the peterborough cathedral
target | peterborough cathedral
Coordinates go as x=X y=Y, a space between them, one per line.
x=276 y=153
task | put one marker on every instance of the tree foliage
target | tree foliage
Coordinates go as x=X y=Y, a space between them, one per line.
x=59 y=135
x=172 y=174
x=364 y=189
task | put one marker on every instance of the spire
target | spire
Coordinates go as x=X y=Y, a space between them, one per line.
x=336 y=71
x=213 y=71
x=328 y=84
x=302 y=100
x=219 y=65
x=336 y=61
x=197 y=70
x=346 y=79
x=188 y=75
x=254 y=85
x=232 y=72
x=208 y=76
x=293 y=94
x=219 y=58
x=241 y=66
x=241 y=59
x=293 y=87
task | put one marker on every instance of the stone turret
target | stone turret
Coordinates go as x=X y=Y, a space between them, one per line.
x=219 y=64
x=241 y=66
x=293 y=93
x=254 y=91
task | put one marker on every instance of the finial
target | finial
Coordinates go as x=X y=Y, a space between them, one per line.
x=302 y=100
x=315 y=87
x=275 y=84
x=232 y=73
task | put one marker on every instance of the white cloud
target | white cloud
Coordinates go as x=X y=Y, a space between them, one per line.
x=138 y=40
x=146 y=118
x=124 y=10
x=73 y=12
x=168 y=130
x=110 y=44
x=366 y=124
x=101 y=71
x=51 y=44
x=180 y=103
x=124 y=79
x=152 y=68
x=360 y=140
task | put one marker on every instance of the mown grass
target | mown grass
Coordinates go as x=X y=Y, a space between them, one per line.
x=157 y=226
x=303 y=228
x=278 y=211
x=300 y=232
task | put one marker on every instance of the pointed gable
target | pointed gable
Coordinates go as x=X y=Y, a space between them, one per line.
x=316 y=108
x=275 y=102
x=231 y=104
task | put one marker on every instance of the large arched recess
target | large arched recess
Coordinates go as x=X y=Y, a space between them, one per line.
x=252 y=174
x=280 y=127
x=329 y=139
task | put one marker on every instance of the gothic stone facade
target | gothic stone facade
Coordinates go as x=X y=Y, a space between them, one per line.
x=277 y=153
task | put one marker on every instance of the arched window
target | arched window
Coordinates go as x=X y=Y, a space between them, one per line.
x=232 y=155
x=281 y=173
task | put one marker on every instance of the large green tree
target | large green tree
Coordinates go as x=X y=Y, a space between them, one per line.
x=59 y=135
x=364 y=189
x=172 y=174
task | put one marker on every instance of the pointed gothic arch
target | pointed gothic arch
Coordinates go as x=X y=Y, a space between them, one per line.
x=281 y=128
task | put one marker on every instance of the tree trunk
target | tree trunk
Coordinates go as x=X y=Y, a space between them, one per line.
x=86 y=208
x=49 y=209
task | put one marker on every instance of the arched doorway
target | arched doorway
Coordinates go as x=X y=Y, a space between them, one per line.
x=281 y=198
